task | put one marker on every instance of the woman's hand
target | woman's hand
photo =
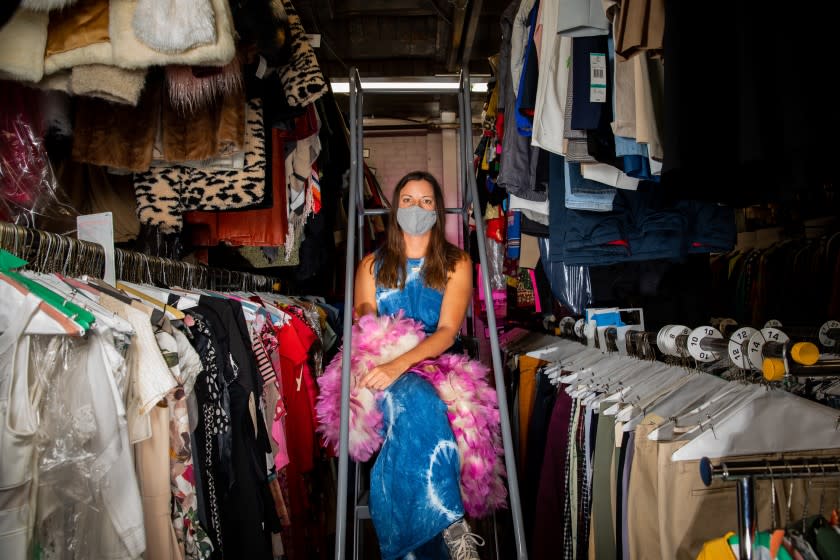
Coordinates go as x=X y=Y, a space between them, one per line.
x=381 y=377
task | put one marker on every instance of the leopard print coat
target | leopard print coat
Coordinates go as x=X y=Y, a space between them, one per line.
x=165 y=193
x=302 y=79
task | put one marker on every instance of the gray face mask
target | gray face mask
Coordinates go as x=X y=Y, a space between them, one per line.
x=415 y=220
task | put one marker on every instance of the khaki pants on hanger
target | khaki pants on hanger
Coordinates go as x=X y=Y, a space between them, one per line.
x=152 y=459
x=671 y=513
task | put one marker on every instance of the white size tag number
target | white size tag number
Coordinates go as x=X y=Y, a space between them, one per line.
x=597 y=78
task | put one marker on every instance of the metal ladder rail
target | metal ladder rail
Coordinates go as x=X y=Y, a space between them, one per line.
x=357 y=213
x=495 y=351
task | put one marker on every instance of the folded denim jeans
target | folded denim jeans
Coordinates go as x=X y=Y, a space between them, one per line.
x=584 y=194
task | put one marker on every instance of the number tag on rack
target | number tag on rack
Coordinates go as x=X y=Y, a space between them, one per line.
x=694 y=344
x=579 y=325
x=666 y=340
x=738 y=347
x=757 y=342
x=824 y=339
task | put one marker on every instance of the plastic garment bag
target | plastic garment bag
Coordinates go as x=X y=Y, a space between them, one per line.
x=569 y=284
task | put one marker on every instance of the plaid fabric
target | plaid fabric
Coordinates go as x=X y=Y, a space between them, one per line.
x=568 y=546
x=584 y=489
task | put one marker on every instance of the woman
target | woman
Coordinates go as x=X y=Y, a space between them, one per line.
x=415 y=500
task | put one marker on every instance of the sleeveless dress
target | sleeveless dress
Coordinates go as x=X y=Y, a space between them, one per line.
x=415 y=483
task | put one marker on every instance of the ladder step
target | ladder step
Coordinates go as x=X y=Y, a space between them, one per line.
x=362 y=509
x=362 y=512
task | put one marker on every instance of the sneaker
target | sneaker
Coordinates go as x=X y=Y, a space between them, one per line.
x=461 y=542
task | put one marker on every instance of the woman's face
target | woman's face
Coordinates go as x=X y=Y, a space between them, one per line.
x=419 y=193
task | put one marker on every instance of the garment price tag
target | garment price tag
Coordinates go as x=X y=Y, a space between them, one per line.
x=597 y=78
x=99 y=228
x=262 y=67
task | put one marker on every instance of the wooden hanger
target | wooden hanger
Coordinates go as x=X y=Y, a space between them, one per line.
x=170 y=311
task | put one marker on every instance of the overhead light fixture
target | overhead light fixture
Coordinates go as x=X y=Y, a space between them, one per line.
x=433 y=84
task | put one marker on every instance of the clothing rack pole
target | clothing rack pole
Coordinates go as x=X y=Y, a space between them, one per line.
x=708 y=343
x=746 y=472
x=823 y=368
x=507 y=437
x=747 y=523
x=811 y=332
x=51 y=252
x=75 y=257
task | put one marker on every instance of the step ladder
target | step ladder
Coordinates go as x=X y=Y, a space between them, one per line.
x=355 y=224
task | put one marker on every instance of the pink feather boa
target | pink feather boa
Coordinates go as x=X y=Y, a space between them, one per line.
x=461 y=383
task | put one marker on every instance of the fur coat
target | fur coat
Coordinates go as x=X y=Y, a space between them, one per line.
x=165 y=192
x=22 y=43
x=461 y=384
x=130 y=52
x=115 y=135
x=302 y=79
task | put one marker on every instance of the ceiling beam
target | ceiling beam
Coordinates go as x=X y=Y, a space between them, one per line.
x=384 y=8
x=440 y=40
x=459 y=17
x=469 y=35
x=388 y=48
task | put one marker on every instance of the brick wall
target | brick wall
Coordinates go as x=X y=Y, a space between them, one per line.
x=395 y=155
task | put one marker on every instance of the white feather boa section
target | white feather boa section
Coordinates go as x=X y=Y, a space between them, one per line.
x=461 y=384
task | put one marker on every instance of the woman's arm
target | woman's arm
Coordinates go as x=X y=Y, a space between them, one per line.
x=364 y=300
x=453 y=308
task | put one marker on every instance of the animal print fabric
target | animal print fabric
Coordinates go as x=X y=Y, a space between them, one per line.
x=302 y=79
x=164 y=193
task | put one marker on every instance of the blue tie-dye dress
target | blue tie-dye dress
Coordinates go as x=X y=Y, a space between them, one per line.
x=415 y=483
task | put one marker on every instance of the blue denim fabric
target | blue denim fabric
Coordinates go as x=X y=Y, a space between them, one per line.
x=656 y=230
x=711 y=228
x=626 y=146
x=580 y=237
x=639 y=168
x=584 y=194
x=636 y=158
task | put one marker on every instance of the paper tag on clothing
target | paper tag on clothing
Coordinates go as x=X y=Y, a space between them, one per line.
x=598 y=94
x=262 y=66
x=597 y=78
x=99 y=228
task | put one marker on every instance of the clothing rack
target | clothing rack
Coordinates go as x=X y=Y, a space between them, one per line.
x=746 y=472
x=639 y=344
x=52 y=252
x=707 y=344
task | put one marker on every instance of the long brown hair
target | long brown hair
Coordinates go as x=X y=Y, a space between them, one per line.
x=441 y=255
